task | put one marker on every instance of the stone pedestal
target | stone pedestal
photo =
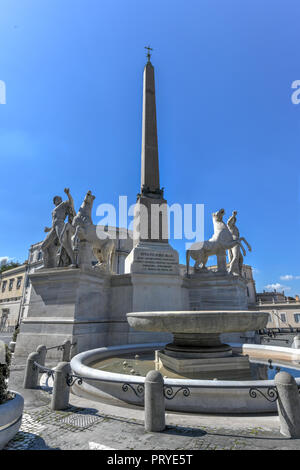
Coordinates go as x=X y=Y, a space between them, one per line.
x=65 y=304
x=160 y=292
x=152 y=258
x=156 y=284
x=221 y=368
x=209 y=290
x=212 y=290
x=197 y=345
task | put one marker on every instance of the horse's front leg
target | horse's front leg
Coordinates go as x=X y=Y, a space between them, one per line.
x=246 y=243
x=74 y=239
x=204 y=260
x=221 y=261
x=235 y=243
x=242 y=248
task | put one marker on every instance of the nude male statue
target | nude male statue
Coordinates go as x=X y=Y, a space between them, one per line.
x=58 y=234
x=235 y=256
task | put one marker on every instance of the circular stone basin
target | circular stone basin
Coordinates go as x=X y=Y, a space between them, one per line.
x=196 y=334
x=201 y=321
x=206 y=396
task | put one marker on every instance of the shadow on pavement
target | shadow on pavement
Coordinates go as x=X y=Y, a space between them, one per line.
x=28 y=441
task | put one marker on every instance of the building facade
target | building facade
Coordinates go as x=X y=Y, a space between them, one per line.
x=12 y=285
x=284 y=312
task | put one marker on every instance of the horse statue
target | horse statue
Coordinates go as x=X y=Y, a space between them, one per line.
x=104 y=248
x=234 y=254
x=221 y=241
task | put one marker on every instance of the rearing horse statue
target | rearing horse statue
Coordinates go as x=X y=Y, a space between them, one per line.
x=221 y=241
x=84 y=230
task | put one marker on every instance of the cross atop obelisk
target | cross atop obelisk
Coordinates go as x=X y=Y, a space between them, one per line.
x=150 y=167
x=148 y=52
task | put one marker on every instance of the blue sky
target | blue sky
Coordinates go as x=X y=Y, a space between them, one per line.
x=228 y=131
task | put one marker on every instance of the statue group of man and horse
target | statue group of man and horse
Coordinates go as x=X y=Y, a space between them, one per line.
x=62 y=244
x=225 y=237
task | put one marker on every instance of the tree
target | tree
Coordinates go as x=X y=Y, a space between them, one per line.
x=10 y=265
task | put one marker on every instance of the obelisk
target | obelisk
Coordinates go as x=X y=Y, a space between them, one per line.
x=150 y=167
x=152 y=252
x=151 y=220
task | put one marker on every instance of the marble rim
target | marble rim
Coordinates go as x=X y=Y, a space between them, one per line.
x=226 y=397
x=80 y=365
x=198 y=321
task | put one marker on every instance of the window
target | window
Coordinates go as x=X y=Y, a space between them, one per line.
x=283 y=317
x=11 y=283
x=19 y=282
x=4 y=317
x=39 y=256
x=248 y=292
x=4 y=285
x=297 y=317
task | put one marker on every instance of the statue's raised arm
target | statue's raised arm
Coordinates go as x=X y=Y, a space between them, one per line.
x=72 y=212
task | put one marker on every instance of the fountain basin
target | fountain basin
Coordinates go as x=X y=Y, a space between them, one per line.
x=206 y=396
x=196 y=334
x=202 y=321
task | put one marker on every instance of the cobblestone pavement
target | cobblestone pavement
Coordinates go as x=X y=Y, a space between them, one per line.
x=88 y=425
x=82 y=428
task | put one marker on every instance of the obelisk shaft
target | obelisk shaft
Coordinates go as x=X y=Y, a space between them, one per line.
x=150 y=168
x=151 y=253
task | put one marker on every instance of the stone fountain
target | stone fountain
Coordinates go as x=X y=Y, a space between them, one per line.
x=203 y=310
x=197 y=349
x=73 y=299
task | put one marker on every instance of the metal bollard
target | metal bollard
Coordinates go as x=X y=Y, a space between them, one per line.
x=61 y=390
x=31 y=376
x=288 y=405
x=66 y=351
x=154 y=402
x=42 y=350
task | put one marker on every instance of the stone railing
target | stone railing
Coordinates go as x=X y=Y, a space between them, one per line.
x=272 y=332
x=277 y=302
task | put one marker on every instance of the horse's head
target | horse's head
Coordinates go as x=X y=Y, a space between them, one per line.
x=89 y=198
x=83 y=215
x=218 y=216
